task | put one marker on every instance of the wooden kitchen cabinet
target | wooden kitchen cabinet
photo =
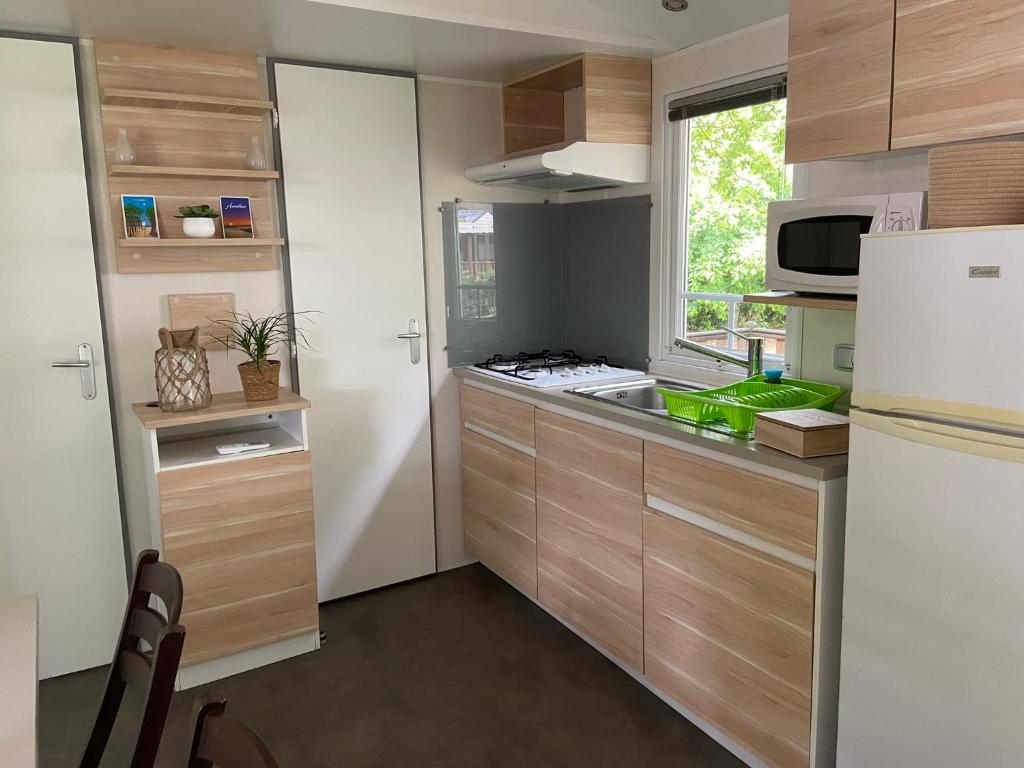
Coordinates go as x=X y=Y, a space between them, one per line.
x=499 y=509
x=241 y=535
x=771 y=510
x=728 y=632
x=840 y=78
x=497 y=416
x=959 y=71
x=239 y=529
x=589 y=532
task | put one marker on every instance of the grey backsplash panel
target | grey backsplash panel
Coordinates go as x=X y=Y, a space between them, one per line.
x=607 y=279
x=566 y=276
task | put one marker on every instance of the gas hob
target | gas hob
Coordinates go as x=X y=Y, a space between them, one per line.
x=553 y=369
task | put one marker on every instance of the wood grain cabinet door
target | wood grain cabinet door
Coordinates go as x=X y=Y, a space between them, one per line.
x=728 y=634
x=959 y=71
x=840 y=78
x=589 y=549
x=499 y=509
x=498 y=416
x=241 y=534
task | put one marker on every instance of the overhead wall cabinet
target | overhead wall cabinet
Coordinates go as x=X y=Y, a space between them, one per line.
x=840 y=78
x=898 y=74
x=590 y=97
x=959 y=71
x=190 y=116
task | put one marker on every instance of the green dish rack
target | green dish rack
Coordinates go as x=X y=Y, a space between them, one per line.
x=738 y=404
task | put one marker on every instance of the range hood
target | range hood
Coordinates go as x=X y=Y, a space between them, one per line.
x=572 y=167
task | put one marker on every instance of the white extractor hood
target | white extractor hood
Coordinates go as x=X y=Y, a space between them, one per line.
x=572 y=167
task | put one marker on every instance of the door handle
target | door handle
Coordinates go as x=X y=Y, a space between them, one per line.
x=84 y=364
x=414 y=336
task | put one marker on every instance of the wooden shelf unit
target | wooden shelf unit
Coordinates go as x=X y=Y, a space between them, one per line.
x=161 y=171
x=135 y=97
x=190 y=116
x=174 y=242
x=791 y=299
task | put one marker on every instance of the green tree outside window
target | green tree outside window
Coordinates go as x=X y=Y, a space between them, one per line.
x=736 y=167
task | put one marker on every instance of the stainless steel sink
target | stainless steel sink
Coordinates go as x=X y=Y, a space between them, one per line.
x=643 y=395
x=639 y=395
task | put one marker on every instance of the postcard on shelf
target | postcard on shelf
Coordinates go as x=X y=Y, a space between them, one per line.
x=236 y=216
x=139 y=214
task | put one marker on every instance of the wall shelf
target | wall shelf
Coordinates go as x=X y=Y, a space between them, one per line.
x=161 y=171
x=791 y=299
x=167 y=242
x=133 y=97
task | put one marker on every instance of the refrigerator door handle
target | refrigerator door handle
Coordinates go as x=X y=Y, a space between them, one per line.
x=978 y=440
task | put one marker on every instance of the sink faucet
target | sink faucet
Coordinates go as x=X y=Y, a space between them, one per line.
x=752 y=362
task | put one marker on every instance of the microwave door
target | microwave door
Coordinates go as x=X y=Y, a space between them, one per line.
x=815 y=248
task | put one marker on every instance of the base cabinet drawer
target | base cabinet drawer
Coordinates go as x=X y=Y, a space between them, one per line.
x=499 y=509
x=241 y=535
x=728 y=634
x=768 y=509
x=500 y=416
x=589 y=550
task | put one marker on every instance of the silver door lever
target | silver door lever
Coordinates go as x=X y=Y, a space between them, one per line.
x=84 y=364
x=414 y=336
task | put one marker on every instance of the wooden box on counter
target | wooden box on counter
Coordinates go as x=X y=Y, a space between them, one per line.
x=238 y=528
x=806 y=433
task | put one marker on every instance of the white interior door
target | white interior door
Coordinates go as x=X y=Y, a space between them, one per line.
x=60 y=523
x=350 y=159
x=932 y=653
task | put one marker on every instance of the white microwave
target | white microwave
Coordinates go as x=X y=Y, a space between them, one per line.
x=814 y=245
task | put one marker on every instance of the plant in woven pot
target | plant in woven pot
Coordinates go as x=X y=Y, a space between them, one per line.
x=258 y=338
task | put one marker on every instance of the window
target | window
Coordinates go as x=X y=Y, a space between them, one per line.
x=729 y=163
x=477 y=291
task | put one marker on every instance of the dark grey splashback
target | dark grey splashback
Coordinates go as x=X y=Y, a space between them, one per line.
x=607 y=255
x=532 y=276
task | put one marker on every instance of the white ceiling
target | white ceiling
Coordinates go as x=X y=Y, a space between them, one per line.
x=470 y=39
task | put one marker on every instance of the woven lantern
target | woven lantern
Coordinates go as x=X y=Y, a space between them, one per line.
x=182 y=371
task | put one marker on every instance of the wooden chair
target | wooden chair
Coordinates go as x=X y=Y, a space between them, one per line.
x=148 y=652
x=221 y=741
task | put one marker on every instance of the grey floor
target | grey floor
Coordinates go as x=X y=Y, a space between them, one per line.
x=452 y=670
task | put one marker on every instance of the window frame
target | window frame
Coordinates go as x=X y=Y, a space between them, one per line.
x=667 y=359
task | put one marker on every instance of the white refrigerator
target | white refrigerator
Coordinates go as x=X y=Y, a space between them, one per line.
x=932 y=670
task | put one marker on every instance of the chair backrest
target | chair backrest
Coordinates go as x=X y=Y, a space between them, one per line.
x=221 y=741
x=148 y=652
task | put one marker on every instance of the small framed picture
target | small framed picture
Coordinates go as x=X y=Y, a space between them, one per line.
x=236 y=217
x=139 y=214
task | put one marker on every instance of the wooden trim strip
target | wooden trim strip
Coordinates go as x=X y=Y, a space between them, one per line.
x=501 y=439
x=765 y=548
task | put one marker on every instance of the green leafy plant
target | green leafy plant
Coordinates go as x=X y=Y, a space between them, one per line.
x=197 y=212
x=259 y=337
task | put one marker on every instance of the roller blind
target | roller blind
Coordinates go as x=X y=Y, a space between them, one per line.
x=758 y=91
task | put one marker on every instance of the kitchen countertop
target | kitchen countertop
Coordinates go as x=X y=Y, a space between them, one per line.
x=821 y=468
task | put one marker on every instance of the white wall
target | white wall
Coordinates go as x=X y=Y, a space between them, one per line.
x=460 y=126
x=135 y=308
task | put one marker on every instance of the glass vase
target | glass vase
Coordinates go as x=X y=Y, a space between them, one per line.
x=255 y=158
x=123 y=152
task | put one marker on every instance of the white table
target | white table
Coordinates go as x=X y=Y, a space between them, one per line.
x=19 y=671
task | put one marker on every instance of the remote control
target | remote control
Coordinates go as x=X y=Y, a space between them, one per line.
x=230 y=449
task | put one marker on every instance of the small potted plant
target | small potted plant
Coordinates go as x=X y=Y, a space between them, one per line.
x=258 y=338
x=198 y=220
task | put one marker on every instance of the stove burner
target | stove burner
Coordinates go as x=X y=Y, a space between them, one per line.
x=528 y=365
